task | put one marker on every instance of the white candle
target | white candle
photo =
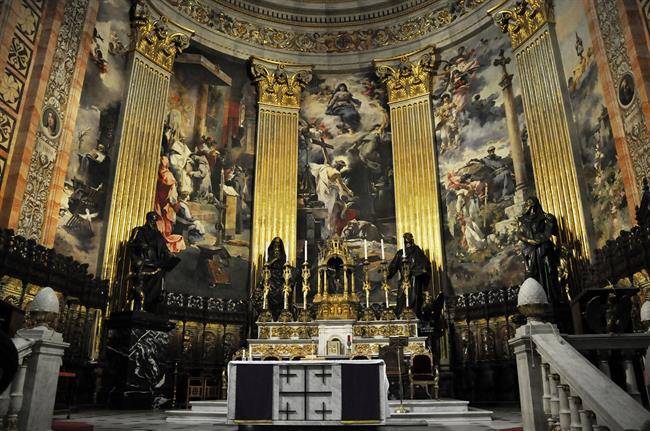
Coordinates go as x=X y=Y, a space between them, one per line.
x=266 y=255
x=365 y=249
x=305 y=251
x=286 y=252
x=383 y=256
x=403 y=247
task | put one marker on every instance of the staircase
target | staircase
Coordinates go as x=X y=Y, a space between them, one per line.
x=420 y=412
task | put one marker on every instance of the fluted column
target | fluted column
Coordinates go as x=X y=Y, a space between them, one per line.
x=275 y=204
x=417 y=191
x=140 y=127
x=554 y=144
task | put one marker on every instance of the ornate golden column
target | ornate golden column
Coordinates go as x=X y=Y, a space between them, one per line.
x=140 y=127
x=408 y=79
x=554 y=144
x=275 y=204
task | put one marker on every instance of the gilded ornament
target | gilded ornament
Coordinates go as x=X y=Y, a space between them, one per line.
x=324 y=41
x=409 y=77
x=523 y=19
x=152 y=38
x=280 y=87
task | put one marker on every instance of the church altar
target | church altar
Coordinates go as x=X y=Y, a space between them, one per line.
x=329 y=392
x=343 y=326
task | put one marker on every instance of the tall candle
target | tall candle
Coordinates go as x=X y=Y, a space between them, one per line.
x=403 y=247
x=266 y=255
x=286 y=251
x=365 y=249
x=305 y=250
x=383 y=256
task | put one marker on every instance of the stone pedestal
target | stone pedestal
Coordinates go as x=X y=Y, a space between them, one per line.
x=41 y=378
x=137 y=360
x=329 y=330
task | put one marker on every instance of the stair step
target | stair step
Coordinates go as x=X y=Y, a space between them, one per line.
x=209 y=406
x=473 y=415
x=185 y=416
x=432 y=405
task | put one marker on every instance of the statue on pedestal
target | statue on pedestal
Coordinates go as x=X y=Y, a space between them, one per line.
x=541 y=258
x=419 y=272
x=150 y=260
x=276 y=259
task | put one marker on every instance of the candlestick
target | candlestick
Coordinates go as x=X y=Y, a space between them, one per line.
x=365 y=249
x=306 y=273
x=383 y=256
x=366 y=281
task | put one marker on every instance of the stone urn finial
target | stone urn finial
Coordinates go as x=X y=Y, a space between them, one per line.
x=44 y=308
x=532 y=301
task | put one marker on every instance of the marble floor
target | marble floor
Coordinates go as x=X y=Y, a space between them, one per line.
x=504 y=418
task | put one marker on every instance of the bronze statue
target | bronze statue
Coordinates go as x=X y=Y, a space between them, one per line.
x=541 y=258
x=150 y=260
x=419 y=273
x=277 y=257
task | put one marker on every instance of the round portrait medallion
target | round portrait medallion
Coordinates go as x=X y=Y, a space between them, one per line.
x=51 y=123
x=626 y=90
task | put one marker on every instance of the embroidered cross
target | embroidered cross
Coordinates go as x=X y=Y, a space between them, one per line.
x=324 y=374
x=287 y=374
x=287 y=411
x=323 y=411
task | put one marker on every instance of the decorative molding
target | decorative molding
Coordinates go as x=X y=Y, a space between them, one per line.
x=523 y=19
x=618 y=60
x=340 y=41
x=408 y=77
x=152 y=38
x=57 y=91
x=279 y=84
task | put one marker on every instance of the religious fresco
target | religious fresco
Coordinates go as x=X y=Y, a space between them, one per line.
x=475 y=165
x=345 y=178
x=83 y=206
x=608 y=205
x=204 y=188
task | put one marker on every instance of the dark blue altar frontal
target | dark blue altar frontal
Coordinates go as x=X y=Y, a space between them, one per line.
x=307 y=392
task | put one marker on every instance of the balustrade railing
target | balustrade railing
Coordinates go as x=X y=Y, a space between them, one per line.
x=11 y=400
x=562 y=389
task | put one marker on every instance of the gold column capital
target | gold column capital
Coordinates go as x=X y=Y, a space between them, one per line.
x=522 y=18
x=280 y=84
x=154 y=38
x=408 y=75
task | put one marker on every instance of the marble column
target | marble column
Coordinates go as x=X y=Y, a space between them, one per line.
x=139 y=133
x=42 y=377
x=514 y=134
x=554 y=144
x=275 y=200
x=417 y=190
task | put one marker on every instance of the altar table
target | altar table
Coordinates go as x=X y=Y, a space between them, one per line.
x=307 y=392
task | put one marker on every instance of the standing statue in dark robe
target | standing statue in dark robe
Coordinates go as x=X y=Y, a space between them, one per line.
x=277 y=257
x=420 y=274
x=541 y=258
x=150 y=260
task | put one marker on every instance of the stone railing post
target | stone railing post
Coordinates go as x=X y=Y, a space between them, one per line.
x=529 y=374
x=42 y=377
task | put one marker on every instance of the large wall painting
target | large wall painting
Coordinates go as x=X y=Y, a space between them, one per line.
x=607 y=201
x=83 y=212
x=345 y=167
x=204 y=188
x=475 y=166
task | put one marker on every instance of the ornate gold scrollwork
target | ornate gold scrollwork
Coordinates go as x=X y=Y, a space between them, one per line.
x=523 y=19
x=410 y=77
x=152 y=38
x=280 y=84
x=283 y=350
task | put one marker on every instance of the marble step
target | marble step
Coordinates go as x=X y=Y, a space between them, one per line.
x=432 y=417
x=442 y=405
x=192 y=416
x=209 y=406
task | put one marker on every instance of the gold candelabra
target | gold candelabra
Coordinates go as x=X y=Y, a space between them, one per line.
x=306 y=274
x=367 y=313
x=407 y=313
x=285 y=315
x=387 y=314
x=266 y=315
